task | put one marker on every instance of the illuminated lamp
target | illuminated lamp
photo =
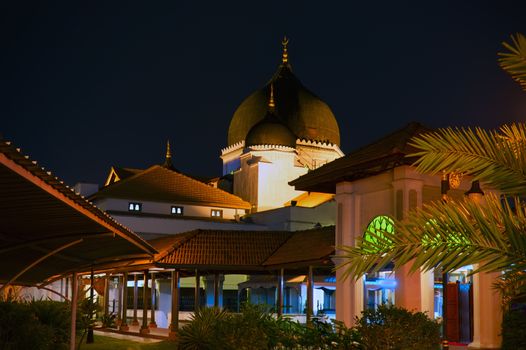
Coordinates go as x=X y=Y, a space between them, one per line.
x=475 y=193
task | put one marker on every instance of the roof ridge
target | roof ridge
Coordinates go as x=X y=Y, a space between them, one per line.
x=290 y=234
x=187 y=236
x=204 y=184
x=123 y=181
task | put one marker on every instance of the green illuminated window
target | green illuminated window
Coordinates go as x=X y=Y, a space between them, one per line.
x=374 y=232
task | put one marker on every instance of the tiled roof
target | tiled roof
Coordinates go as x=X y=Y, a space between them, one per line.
x=377 y=157
x=123 y=173
x=161 y=184
x=304 y=246
x=224 y=248
x=244 y=249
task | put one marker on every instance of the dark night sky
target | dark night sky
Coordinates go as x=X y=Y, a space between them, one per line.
x=87 y=85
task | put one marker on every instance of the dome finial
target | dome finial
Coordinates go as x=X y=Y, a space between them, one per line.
x=285 y=56
x=168 y=159
x=271 y=103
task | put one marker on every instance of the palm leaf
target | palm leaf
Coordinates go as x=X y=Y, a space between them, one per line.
x=447 y=235
x=514 y=61
x=496 y=157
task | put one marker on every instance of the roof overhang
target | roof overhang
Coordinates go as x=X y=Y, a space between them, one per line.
x=46 y=229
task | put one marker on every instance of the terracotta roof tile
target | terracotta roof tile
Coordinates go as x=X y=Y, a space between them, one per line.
x=251 y=249
x=303 y=246
x=161 y=184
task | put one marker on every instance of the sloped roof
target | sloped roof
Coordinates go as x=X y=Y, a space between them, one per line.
x=377 y=157
x=158 y=183
x=244 y=250
x=304 y=246
x=40 y=215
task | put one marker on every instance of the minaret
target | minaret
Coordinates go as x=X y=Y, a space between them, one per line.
x=168 y=160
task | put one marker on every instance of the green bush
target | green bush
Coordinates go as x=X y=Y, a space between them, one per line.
x=256 y=328
x=513 y=330
x=35 y=325
x=395 y=328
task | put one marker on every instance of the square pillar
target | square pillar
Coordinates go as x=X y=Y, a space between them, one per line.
x=279 y=304
x=197 y=291
x=153 y=324
x=174 y=324
x=349 y=292
x=124 y=325
x=487 y=312
x=144 y=326
x=310 y=294
x=135 y=321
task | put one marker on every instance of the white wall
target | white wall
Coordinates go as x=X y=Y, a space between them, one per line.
x=163 y=208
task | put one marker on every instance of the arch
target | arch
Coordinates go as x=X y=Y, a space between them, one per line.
x=379 y=224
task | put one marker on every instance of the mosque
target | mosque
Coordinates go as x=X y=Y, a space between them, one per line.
x=286 y=198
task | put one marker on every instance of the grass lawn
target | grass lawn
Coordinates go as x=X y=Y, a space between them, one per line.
x=108 y=343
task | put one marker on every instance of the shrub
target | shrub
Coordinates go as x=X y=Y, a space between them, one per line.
x=35 y=325
x=513 y=326
x=395 y=328
x=256 y=328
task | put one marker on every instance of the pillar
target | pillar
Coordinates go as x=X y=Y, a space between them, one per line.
x=414 y=291
x=124 y=325
x=174 y=324
x=106 y=294
x=119 y=301
x=144 y=327
x=310 y=295
x=349 y=292
x=279 y=304
x=74 y=296
x=487 y=312
x=197 y=291
x=135 y=321
x=152 y=309
x=214 y=289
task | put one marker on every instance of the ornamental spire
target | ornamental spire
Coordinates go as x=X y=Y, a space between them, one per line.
x=285 y=55
x=271 y=103
x=168 y=159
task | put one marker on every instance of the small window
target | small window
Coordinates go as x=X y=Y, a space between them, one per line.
x=134 y=207
x=216 y=213
x=177 y=210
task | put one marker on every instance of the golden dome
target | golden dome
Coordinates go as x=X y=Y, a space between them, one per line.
x=305 y=114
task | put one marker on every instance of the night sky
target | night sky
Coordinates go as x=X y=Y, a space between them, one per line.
x=86 y=85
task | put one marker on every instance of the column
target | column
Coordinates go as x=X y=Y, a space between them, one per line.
x=279 y=304
x=135 y=321
x=124 y=325
x=144 y=327
x=174 y=325
x=310 y=294
x=414 y=291
x=487 y=312
x=74 y=295
x=349 y=292
x=152 y=308
x=119 y=301
x=197 y=291
x=216 y=290
x=106 y=294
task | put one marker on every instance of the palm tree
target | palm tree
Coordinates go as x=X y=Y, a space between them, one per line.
x=452 y=234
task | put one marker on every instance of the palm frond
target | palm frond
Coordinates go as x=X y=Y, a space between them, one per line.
x=514 y=61
x=496 y=157
x=449 y=235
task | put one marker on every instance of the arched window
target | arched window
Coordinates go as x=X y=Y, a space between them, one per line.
x=379 y=224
